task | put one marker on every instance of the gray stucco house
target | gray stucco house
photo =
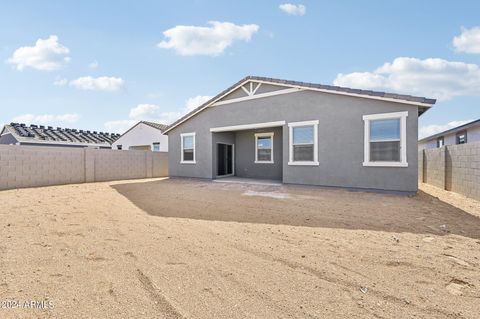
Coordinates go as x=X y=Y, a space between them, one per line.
x=301 y=133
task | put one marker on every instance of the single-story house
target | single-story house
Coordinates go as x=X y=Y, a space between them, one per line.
x=143 y=136
x=40 y=135
x=466 y=133
x=301 y=133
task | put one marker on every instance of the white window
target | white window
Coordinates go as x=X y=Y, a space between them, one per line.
x=303 y=143
x=386 y=139
x=156 y=147
x=264 y=148
x=188 y=148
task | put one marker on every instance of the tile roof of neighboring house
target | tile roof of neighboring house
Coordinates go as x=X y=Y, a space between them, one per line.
x=452 y=130
x=161 y=127
x=425 y=103
x=158 y=126
x=48 y=135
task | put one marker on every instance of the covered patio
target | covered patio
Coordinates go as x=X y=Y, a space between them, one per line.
x=249 y=152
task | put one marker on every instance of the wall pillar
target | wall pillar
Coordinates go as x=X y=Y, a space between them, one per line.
x=89 y=155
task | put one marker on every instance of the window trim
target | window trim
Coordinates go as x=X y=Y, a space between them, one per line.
x=267 y=134
x=291 y=126
x=402 y=116
x=182 y=161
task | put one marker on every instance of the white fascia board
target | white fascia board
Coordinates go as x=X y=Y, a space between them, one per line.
x=258 y=96
x=246 y=126
x=302 y=88
x=346 y=93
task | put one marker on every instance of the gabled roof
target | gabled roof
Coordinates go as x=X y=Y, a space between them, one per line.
x=158 y=126
x=453 y=130
x=423 y=103
x=40 y=134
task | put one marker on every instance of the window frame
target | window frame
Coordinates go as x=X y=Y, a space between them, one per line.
x=153 y=146
x=293 y=125
x=182 y=161
x=441 y=138
x=266 y=134
x=457 y=137
x=402 y=116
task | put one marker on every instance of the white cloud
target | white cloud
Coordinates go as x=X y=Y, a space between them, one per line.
x=93 y=65
x=212 y=40
x=293 y=9
x=60 y=81
x=437 y=128
x=47 y=119
x=195 y=102
x=154 y=113
x=119 y=126
x=45 y=55
x=434 y=78
x=468 y=41
x=144 y=111
x=103 y=83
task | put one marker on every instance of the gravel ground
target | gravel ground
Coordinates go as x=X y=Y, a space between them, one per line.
x=183 y=248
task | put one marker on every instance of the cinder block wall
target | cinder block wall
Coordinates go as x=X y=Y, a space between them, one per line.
x=434 y=167
x=454 y=167
x=463 y=169
x=30 y=166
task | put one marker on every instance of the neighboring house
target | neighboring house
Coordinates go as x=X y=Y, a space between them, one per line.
x=143 y=136
x=466 y=133
x=301 y=133
x=39 y=135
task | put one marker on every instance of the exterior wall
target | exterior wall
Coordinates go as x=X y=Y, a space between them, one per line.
x=30 y=166
x=434 y=167
x=7 y=139
x=340 y=136
x=245 y=155
x=142 y=134
x=473 y=135
x=426 y=145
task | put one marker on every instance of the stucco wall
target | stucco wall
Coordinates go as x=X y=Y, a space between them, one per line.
x=142 y=134
x=29 y=166
x=245 y=155
x=340 y=136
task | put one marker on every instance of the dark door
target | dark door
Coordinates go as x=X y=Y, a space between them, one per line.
x=224 y=159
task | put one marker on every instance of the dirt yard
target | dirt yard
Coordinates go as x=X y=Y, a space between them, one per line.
x=199 y=249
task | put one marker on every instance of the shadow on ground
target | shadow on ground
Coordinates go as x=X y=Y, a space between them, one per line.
x=299 y=206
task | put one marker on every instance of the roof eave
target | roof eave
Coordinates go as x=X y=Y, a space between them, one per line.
x=237 y=85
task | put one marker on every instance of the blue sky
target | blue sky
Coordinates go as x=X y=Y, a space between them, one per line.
x=105 y=65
